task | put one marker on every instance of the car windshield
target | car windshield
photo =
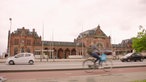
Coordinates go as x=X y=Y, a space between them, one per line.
x=127 y=55
x=19 y=55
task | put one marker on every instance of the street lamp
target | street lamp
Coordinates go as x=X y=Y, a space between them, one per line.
x=10 y=36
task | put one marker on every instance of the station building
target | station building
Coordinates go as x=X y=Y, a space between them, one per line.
x=24 y=40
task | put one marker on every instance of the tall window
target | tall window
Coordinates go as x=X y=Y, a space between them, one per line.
x=28 y=42
x=16 y=41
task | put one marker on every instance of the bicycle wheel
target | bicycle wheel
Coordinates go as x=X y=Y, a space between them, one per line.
x=88 y=65
x=106 y=65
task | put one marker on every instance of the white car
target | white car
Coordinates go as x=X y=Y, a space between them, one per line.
x=21 y=58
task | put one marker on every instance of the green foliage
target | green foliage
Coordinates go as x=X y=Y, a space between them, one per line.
x=139 y=81
x=139 y=42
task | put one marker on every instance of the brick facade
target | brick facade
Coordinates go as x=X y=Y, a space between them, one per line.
x=97 y=37
x=23 y=40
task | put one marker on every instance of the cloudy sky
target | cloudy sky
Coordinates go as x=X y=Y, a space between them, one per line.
x=63 y=20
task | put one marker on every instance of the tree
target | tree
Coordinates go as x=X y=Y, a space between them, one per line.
x=139 y=42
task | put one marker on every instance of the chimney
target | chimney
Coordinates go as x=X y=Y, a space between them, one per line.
x=33 y=30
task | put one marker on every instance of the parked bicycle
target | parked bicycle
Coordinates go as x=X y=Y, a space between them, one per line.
x=105 y=64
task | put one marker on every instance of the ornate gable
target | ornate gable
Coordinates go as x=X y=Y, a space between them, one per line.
x=96 y=32
x=99 y=32
x=25 y=32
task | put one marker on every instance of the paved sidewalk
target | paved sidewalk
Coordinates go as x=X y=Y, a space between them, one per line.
x=62 y=64
x=108 y=77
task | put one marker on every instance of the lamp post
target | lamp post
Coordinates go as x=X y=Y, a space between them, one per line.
x=10 y=37
x=52 y=50
x=42 y=52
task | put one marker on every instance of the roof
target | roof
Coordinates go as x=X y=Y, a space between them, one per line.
x=25 y=32
x=95 y=32
x=59 y=43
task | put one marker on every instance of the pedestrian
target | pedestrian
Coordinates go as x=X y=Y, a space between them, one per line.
x=6 y=55
x=114 y=55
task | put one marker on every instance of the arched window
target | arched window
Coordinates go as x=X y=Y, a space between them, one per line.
x=22 y=49
x=28 y=50
x=99 y=46
x=73 y=52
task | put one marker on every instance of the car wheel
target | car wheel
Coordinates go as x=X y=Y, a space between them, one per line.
x=128 y=60
x=123 y=60
x=11 y=62
x=31 y=62
x=140 y=60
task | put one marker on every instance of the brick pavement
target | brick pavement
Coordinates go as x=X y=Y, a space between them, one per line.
x=108 y=77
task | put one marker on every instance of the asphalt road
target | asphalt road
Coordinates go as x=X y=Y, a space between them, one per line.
x=62 y=66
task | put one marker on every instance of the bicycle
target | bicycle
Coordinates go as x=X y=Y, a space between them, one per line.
x=90 y=65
